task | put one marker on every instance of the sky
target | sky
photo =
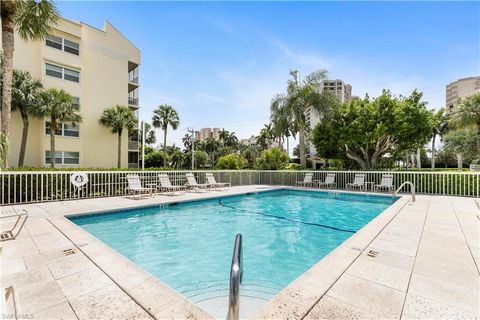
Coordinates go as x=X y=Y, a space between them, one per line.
x=220 y=63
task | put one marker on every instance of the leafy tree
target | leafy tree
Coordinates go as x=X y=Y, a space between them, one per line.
x=250 y=153
x=467 y=114
x=156 y=159
x=201 y=159
x=302 y=95
x=462 y=143
x=118 y=118
x=272 y=159
x=26 y=94
x=58 y=107
x=34 y=21
x=163 y=117
x=232 y=161
x=367 y=130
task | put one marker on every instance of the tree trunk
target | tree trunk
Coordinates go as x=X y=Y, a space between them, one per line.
x=459 y=161
x=53 y=127
x=119 y=154
x=301 y=144
x=23 y=143
x=7 y=11
x=412 y=158
x=288 y=148
x=433 y=150
x=165 y=147
x=419 y=161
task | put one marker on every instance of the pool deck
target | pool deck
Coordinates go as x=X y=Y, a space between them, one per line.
x=414 y=261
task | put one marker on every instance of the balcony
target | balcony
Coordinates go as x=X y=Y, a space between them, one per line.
x=133 y=145
x=133 y=101
x=132 y=76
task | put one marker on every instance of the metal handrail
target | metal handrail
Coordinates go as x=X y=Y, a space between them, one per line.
x=236 y=275
x=412 y=189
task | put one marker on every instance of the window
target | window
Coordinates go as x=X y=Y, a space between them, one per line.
x=53 y=70
x=71 y=47
x=71 y=75
x=62 y=44
x=63 y=157
x=62 y=73
x=76 y=102
x=66 y=130
x=54 y=42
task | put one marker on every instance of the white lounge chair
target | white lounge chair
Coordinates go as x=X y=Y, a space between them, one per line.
x=358 y=182
x=14 y=231
x=216 y=185
x=135 y=186
x=329 y=181
x=194 y=185
x=386 y=183
x=307 y=180
x=166 y=185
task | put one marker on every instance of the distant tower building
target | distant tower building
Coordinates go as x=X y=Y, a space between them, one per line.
x=344 y=93
x=206 y=133
x=460 y=89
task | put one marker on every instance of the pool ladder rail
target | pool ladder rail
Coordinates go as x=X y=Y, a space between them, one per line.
x=236 y=275
x=412 y=189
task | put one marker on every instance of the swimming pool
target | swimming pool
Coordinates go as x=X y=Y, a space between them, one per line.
x=189 y=245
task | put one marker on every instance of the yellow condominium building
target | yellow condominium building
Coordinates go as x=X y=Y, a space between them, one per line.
x=99 y=68
x=460 y=89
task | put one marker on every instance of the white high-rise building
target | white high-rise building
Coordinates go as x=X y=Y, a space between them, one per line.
x=459 y=89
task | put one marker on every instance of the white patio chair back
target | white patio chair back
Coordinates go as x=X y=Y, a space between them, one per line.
x=330 y=178
x=359 y=179
x=134 y=182
x=210 y=178
x=191 y=179
x=308 y=177
x=387 y=180
x=164 y=180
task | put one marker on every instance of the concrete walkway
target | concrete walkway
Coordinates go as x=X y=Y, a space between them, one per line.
x=424 y=263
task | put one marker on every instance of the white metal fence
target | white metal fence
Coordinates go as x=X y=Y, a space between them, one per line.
x=40 y=186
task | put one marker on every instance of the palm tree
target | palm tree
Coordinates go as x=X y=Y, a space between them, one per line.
x=118 y=118
x=163 y=117
x=150 y=137
x=58 y=107
x=33 y=20
x=26 y=94
x=301 y=96
x=467 y=114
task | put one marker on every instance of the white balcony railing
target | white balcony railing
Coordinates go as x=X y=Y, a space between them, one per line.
x=39 y=186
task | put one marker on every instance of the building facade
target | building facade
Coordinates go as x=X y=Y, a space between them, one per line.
x=339 y=88
x=206 y=133
x=459 y=89
x=99 y=68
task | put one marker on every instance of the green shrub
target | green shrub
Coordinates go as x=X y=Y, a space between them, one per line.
x=232 y=161
x=272 y=159
x=293 y=166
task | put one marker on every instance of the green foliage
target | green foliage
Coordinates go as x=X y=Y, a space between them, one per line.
x=165 y=116
x=4 y=145
x=467 y=114
x=118 y=118
x=335 y=164
x=461 y=141
x=367 y=130
x=156 y=159
x=233 y=161
x=35 y=19
x=293 y=166
x=272 y=159
x=149 y=150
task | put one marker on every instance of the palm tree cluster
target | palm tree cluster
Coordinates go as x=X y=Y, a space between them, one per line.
x=33 y=20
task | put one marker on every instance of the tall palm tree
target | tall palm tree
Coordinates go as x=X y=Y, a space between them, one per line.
x=26 y=94
x=163 y=117
x=58 y=107
x=33 y=20
x=467 y=114
x=118 y=118
x=3 y=150
x=302 y=95
x=439 y=126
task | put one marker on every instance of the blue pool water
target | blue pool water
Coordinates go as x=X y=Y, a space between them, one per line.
x=189 y=245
